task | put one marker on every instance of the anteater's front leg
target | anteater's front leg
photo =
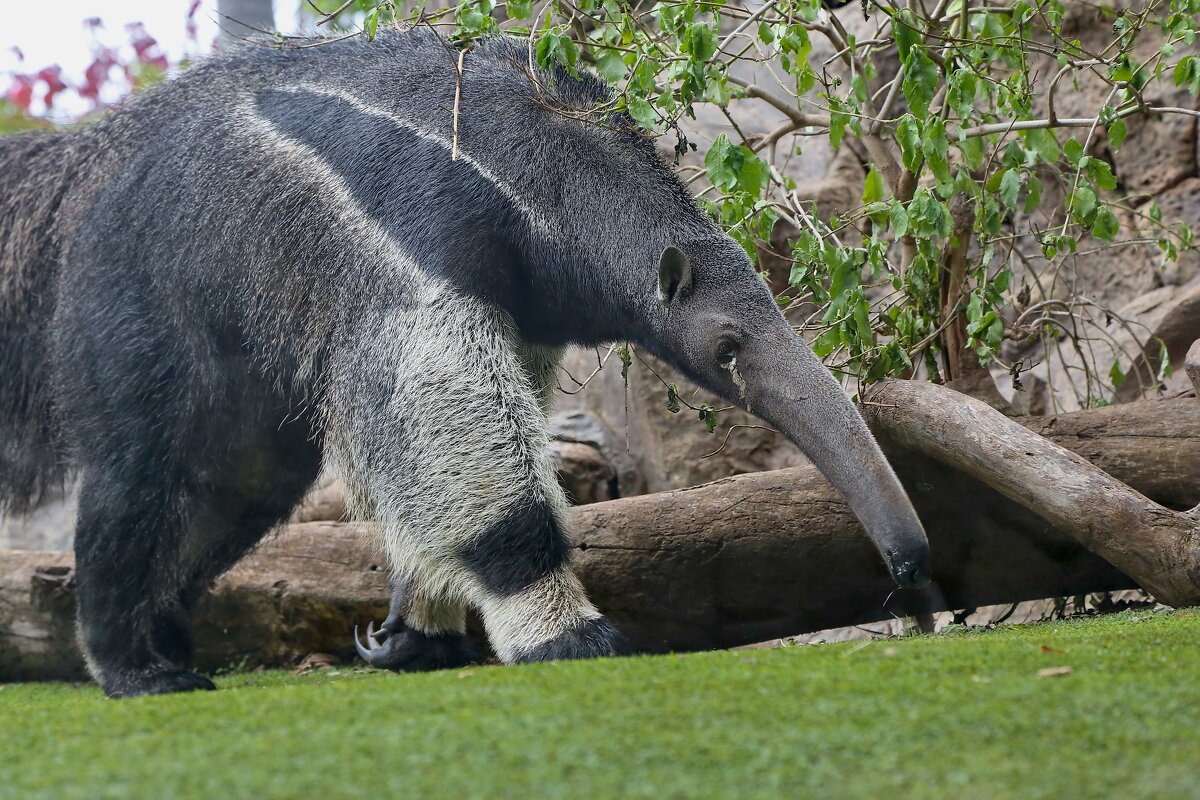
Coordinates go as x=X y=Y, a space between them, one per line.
x=438 y=428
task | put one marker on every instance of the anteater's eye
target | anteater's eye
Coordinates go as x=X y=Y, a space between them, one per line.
x=726 y=352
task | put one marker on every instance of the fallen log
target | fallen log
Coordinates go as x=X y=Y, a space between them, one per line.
x=1155 y=546
x=740 y=560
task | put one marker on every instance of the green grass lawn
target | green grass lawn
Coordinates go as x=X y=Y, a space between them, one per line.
x=963 y=715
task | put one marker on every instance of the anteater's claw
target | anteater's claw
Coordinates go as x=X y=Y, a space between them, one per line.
x=369 y=652
x=373 y=636
x=406 y=650
x=363 y=652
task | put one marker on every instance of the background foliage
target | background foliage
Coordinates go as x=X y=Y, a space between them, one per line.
x=952 y=105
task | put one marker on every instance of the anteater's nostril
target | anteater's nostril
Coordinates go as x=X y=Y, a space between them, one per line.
x=910 y=574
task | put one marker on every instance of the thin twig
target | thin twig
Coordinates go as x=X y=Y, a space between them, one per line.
x=331 y=15
x=457 y=100
x=725 y=441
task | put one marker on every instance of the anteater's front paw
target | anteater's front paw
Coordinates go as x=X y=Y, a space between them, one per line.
x=139 y=682
x=593 y=638
x=412 y=651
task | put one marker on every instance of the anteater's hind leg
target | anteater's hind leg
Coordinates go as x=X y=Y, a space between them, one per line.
x=128 y=545
x=270 y=465
x=163 y=515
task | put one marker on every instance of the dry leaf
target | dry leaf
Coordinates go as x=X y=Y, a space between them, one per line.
x=1053 y=672
x=316 y=661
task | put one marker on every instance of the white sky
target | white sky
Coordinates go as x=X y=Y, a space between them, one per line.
x=54 y=33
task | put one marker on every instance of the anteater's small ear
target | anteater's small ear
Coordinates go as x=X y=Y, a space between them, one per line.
x=674 y=275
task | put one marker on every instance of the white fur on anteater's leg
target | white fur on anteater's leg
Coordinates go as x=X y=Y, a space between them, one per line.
x=518 y=625
x=440 y=431
x=433 y=615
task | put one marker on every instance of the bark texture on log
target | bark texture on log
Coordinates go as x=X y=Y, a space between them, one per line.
x=741 y=560
x=302 y=591
x=1152 y=445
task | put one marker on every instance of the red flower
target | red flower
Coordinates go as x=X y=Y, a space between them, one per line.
x=52 y=77
x=21 y=91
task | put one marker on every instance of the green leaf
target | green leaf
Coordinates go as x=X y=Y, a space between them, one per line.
x=1187 y=73
x=611 y=65
x=1010 y=186
x=985 y=320
x=754 y=174
x=673 y=398
x=1116 y=133
x=1106 y=224
x=904 y=26
x=1165 y=370
x=555 y=47
x=700 y=41
x=908 y=134
x=859 y=85
x=920 y=81
x=626 y=361
x=1101 y=173
x=874 y=187
x=963 y=85
x=827 y=342
x=1033 y=193
x=899 y=217
x=471 y=17
x=972 y=151
x=717 y=91
x=837 y=128
x=796 y=44
x=732 y=167
x=1042 y=141
x=1116 y=375
x=723 y=162
x=1073 y=150
x=935 y=147
x=642 y=112
x=806 y=79
x=520 y=9
x=1084 y=203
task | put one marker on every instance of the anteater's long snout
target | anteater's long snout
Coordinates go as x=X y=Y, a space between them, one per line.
x=787 y=385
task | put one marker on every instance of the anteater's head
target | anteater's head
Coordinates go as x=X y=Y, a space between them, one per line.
x=721 y=327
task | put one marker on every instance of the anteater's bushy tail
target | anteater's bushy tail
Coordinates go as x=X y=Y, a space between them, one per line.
x=34 y=177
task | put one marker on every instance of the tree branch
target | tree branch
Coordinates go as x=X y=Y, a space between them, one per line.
x=1155 y=546
x=1076 y=122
